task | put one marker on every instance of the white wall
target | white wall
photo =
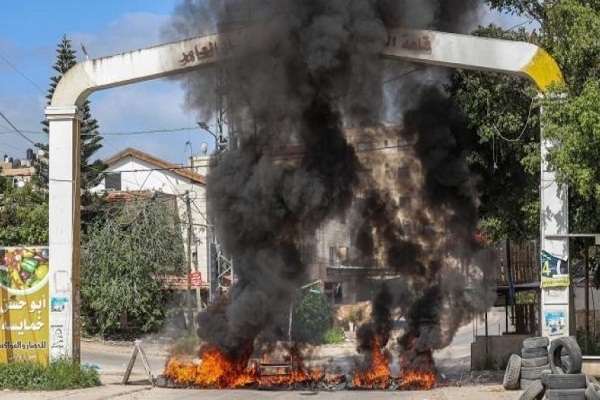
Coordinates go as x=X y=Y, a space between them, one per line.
x=138 y=175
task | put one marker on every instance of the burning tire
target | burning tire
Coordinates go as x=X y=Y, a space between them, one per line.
x=565 y=394
x=536 y=342
x=563 y=381
x=512 y=373
x=535 y=391
x=557 y=364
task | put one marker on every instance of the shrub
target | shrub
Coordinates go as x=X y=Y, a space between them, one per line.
x=58 y=375
x=334 y=335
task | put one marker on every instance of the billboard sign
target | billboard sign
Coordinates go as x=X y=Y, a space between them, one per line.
x=24 y=304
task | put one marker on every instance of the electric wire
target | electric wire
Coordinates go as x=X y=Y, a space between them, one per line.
x=16 y=129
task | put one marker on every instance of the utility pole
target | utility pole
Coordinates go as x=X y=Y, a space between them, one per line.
x=190 y=224
x=188 y=209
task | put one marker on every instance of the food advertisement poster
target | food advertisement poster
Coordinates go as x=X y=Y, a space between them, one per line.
x=24 y=304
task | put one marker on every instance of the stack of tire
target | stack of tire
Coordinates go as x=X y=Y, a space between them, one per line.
x=553 y=374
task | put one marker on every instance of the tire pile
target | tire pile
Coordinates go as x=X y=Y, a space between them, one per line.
x=553 y=374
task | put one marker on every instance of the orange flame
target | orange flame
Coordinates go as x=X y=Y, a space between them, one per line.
x=378 y=376
x=417 y=380
x=418 y=373
x=220 y=372
x=215 y=371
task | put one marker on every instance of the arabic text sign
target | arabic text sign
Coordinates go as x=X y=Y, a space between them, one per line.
x=24 y=305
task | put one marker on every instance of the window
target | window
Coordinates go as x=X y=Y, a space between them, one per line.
x=403 y=172
x=404 y=202
x=406 y=227
x=112 y=180
x=388 y=169
x=332 y=254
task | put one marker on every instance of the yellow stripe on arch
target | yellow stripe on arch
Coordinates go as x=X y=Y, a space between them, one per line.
x=544 y=70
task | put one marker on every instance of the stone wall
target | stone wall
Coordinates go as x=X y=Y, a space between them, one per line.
x=499 y=349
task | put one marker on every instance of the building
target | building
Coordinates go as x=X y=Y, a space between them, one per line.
x=133 y=171
x=18 y=171
x=388 y=163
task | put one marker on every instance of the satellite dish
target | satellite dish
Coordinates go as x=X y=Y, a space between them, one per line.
x=204 y=149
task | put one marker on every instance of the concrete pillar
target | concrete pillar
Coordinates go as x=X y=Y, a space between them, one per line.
x=64 y=230
x=554 y=222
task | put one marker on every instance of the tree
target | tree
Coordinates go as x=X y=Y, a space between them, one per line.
x=502 y=111
x=125 y=256
x=91 y=172
x=533 y=9
x=311 y=318
x=23 y=215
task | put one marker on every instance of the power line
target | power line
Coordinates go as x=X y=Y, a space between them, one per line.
x=16 y=130
x=149 y=131
x=21 y=73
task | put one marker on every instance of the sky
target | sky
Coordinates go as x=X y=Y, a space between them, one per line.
x=30 y=32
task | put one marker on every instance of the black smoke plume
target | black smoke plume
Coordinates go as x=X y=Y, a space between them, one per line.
x=304 y=71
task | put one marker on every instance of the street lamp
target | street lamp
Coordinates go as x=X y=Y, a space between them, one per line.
x=220 y=141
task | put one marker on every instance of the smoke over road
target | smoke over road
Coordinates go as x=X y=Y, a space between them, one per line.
x=309 y=69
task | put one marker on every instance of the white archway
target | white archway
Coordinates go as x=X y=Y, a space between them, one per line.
x=429 y=47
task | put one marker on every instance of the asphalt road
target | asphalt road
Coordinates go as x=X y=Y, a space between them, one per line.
x=114 y=358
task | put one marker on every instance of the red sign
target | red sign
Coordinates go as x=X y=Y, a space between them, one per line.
x=196 y=278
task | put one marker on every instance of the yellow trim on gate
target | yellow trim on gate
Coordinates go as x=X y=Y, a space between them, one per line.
x=544 y=70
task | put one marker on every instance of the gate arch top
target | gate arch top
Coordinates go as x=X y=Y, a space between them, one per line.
x=420 y=46
x=141 y=65
x=427 y=47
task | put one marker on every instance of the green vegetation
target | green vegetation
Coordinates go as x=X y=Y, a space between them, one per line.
x=334 y=335
x=126 y=254
x=504 y=111
x=23 y=216
x=312 y=318
x=59 y=375
x=91 y=172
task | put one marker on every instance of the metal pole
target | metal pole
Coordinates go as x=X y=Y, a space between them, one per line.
x=290 y=320
x=190 y=222
x=586 y=257
x=189 y=263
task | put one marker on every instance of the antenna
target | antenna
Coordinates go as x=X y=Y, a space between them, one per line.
x=87 y=57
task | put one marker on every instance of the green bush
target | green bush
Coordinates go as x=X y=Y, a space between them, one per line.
x=58 y=375
x=312 y=318
x=334 y=335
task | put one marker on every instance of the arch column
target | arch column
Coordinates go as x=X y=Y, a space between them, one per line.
x=64 y=231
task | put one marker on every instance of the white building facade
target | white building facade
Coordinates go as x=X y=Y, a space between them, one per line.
x=132 y=170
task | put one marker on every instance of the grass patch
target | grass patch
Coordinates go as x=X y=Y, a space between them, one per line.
x=58 y=375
